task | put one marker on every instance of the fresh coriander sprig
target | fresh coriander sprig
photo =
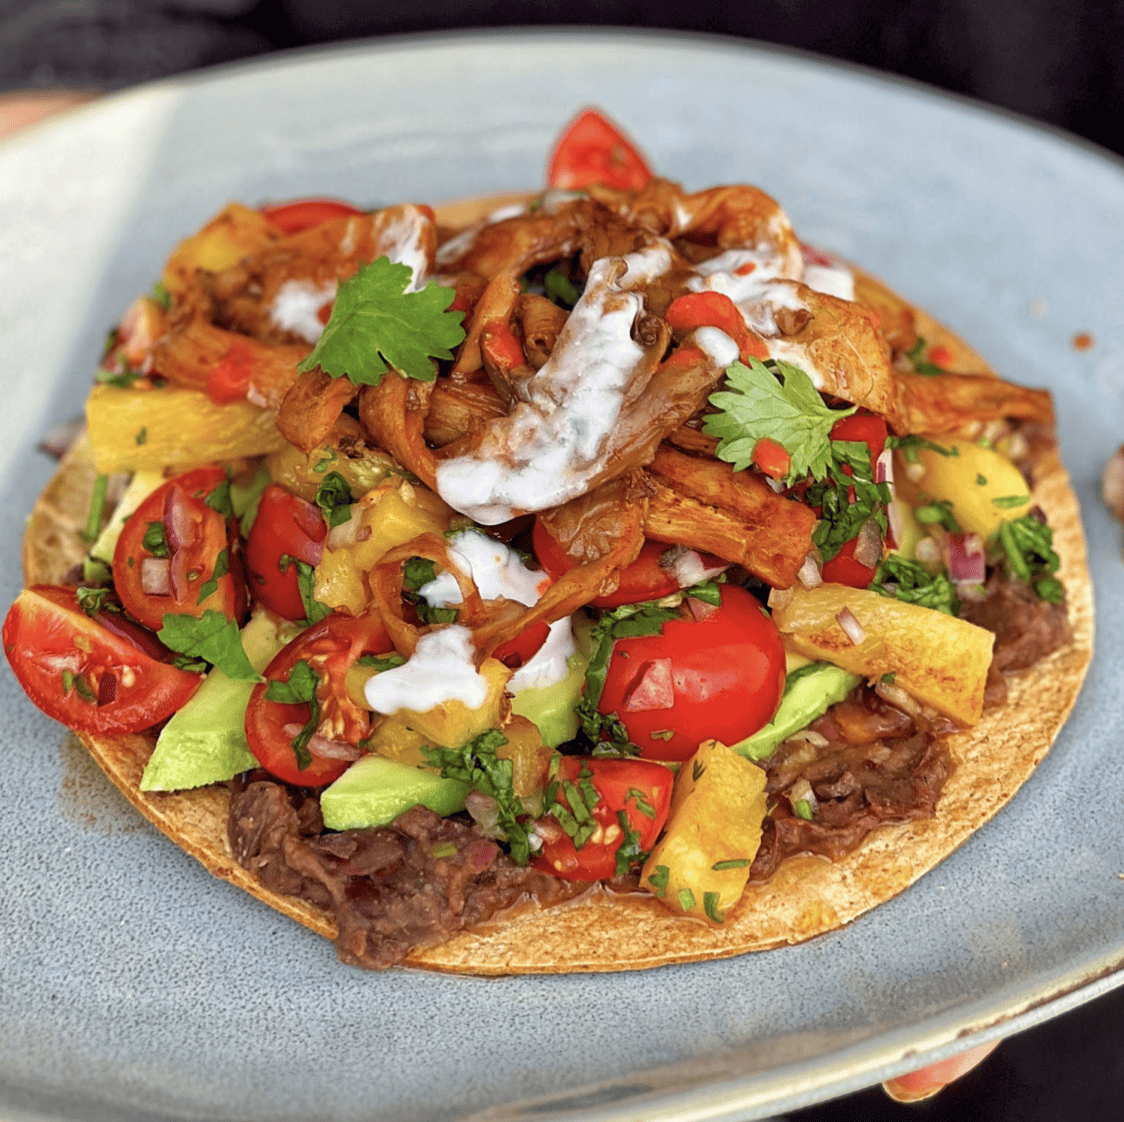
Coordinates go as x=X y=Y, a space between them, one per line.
x=756 y=405
x=376 y=323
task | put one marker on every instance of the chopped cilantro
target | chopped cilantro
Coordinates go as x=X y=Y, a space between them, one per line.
x=219 y=499
x=629 y=851
x=757 y=405
x=733 y=863
x=910 y=445
x=912 y=583
x=847 y=497
x=476 y=763
x=96 y=513
x=222 y=567
x=560 y=289
x=161 y=295
x=334 y=498
x=375 y=322
x=1009 y=502
x=212 y=637
x=686 y=899
x=314 y=610
x=154 y=541
x=381 y=662
x=641 y=802
x=920 y=363
x=938 y=513
x=698 y=770
x=1028 y=554
x=93 y=600
x=710 y=906
x=658 y=879
x=84 y=690
x=142 y=435
x=300 y=688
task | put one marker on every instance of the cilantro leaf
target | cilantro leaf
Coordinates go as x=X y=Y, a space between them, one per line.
x=334 y=498
x=920 y=364
x=756 y=405
x=1028 y=554
x=300 y=687
x=375 y=323
x=212 y=637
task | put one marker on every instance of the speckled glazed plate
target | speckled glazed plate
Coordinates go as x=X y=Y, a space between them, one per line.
x=136 y=987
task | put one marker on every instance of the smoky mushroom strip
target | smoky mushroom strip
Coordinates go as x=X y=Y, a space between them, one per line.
x=680 y=520
x=458 y=409
x=187 y=355
x=593 y=411
x=738 y=216
x=393 y=413
x=961 y=403
x=704 y=504
x=541 y=322
x=312 y=407
x=278 y=293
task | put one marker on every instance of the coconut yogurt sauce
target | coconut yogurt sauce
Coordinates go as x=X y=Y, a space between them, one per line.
x=558 y=438
x=499 y=571
x=297 y=306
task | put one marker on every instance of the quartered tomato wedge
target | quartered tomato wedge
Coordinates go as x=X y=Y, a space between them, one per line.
x=103 y=674
x=644 y=579
x=287 y=533
x=633 y=798
x=310 y=742
x=304 y=214
x=177 y=554
x=719 y=676
x=593 y=150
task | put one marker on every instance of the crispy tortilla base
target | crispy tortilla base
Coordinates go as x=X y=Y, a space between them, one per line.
x=603 y=932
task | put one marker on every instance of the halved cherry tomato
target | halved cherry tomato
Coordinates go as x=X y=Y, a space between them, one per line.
x=633 y=798
x=287 y=530
x=870 y=429
x=644 y=579
x=718 y=676
x=79 y=671
x=329 y=649
x=177 y=555
x=303 y=214
x=592 y=149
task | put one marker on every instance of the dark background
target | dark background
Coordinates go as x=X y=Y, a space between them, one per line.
x=1060 y=61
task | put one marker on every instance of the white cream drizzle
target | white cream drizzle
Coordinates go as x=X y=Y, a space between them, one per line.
x=557 y=439
x=296 y=307
x=440 y=670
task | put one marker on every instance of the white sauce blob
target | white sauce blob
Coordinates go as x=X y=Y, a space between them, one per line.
x=499 y=571
x=296 y=307
x=556 y=440
x=440 y=670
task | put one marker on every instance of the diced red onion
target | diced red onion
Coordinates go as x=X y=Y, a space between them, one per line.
x=688 y=566
x=928 y=554
x=484 y=811
x=966 y=558
x=780 y=598
x=868 y=545
x=156 y=576
x=971 y=590
x=851 y=626
x=897 y=697
x=809 y=574
x=346 y=533
x=774 y=484
x=801 y=792
x=323 y=747
x=179 y=526
x=884 y=467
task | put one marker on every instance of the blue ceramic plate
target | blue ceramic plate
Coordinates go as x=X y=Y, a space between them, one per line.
x=136 y=987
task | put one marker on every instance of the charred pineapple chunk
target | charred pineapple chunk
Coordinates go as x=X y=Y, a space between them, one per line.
x=235 y=232
x=146 y=430
x=939 y=660
x=701 y=863
x=390 y=515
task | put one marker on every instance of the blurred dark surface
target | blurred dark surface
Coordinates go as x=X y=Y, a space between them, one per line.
x=1060 y=61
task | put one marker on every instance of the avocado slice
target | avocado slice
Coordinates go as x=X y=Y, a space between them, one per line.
x=375 y=791
x=205 y=742
x=551 y=707
x=808 y=693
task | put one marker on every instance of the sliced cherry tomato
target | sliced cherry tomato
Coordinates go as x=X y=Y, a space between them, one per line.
x=322 y=750
x=718 y=676
x=287 y=531
x=79 y=671
x=870 y=429
x=644 y=579
x=633 y=800
x=523 y=647
x=177 y=555
x=592 y=149
x=303 y=214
